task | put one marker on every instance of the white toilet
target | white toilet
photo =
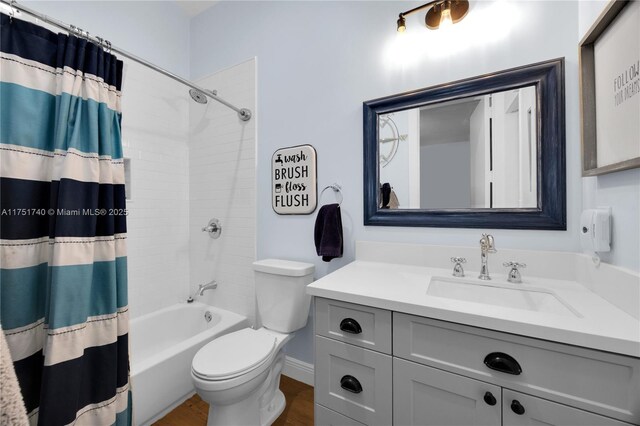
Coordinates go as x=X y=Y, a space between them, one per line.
x=238 y=374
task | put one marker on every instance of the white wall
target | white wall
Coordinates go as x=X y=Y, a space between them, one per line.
x=620 y=191
x=222 y=164
x=155 y=134
x=478 y=156
x=320 y=60
x=157 y=31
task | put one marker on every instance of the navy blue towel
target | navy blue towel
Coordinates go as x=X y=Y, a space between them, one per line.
x=328 y=232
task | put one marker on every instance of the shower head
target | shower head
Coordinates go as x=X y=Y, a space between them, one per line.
x=198 y=96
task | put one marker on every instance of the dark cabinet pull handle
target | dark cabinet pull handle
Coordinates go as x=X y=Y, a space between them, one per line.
x=516 y=407
x=349 y=325
x=351 y=384
x=502 y=362
x=490 y=399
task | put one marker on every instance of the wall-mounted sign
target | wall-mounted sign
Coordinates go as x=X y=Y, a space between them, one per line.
x=293 y=180
x=610 y=90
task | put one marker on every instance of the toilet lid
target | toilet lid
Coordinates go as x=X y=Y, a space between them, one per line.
x=231 y=355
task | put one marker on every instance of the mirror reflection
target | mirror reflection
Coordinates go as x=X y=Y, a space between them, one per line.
x=477 y=152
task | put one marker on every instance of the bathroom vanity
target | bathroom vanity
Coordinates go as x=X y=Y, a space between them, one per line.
x=400 y=341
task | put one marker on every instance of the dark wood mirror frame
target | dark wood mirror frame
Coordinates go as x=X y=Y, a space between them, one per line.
x=548 y=77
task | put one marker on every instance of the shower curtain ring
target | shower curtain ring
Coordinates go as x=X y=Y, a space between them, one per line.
x=12 y=10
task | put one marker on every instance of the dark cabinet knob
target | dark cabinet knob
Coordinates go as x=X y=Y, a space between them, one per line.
x=351 y=384
x=516 y=407
x=349 y=325
x=490 y=399
x=502 y=362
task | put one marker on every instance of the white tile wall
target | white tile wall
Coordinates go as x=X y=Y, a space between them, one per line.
x=155 y=133
x=222 y=160
x=189 y=163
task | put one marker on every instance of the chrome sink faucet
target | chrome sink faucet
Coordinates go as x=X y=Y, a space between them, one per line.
x=202 y=288
x=486 y=246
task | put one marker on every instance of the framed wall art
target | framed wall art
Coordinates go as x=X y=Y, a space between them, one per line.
x=610 y=90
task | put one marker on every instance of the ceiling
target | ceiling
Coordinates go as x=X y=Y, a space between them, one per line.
x=192 y=8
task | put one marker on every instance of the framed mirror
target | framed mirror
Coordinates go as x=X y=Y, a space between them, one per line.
x=484 y=152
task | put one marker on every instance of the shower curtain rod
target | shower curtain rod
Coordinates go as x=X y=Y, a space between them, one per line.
x=243 y=113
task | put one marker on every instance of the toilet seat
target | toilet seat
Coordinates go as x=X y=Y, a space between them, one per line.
x=235 y=354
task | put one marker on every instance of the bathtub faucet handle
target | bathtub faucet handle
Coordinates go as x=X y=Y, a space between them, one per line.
x=214 y=228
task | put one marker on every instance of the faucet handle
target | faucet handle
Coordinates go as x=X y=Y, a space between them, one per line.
x=487 y=243
x=514 y=273
x=214 y=228
x=514 y=265
x=458 y=271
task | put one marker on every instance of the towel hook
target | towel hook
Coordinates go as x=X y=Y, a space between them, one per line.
x=337 y=189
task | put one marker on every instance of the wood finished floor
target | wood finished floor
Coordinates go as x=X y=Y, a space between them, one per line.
x=298 y=412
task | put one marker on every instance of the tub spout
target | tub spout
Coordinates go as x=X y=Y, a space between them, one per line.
x=201 y=289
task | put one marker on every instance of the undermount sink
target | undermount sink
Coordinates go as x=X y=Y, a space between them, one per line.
x=506 y=295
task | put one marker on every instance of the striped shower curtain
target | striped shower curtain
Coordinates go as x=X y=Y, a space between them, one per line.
x=63 y=272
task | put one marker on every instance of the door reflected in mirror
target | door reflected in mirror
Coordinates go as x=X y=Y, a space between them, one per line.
x=478 y=152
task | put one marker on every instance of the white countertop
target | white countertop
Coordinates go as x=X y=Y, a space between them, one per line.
x=403 y=288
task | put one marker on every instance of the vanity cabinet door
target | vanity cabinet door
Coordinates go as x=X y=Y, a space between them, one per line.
x=519 y=409
x=426 y=396
x=354 y=381
x=594 y=381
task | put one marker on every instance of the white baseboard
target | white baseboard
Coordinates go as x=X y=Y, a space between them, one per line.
x=298 y=370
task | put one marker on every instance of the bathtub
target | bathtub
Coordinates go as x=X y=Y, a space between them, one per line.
x=163 y=343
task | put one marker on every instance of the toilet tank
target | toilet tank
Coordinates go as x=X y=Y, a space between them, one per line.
x=281 y=293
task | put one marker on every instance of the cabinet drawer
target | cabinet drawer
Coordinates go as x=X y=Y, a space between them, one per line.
x=325 y=417
x=356 y=324
x=529 y=410
x=426 y=396
x=595 y=381
x=353 y=381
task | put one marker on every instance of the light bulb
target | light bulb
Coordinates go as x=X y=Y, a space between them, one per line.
x=445 y=19
x=401 y=24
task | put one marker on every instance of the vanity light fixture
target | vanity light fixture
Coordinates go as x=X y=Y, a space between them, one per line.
x=441 y=14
